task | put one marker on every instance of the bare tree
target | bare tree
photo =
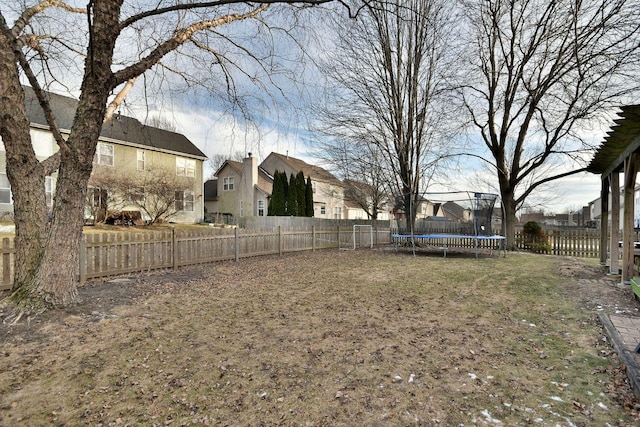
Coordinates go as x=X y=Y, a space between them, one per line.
x=535 y=72
x=102 y=195
x=387 y=70
x=217 y=160
x=160 y=194
x=162 y=123
x=363 y=169
x=93 y=43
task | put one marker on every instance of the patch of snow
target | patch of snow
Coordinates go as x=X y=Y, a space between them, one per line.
x=473 y=376
x=556 y=398
x=603 y=406
x=412 y=377
x=489 y=418
x=538 y=420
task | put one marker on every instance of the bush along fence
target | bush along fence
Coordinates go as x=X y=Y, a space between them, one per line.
x=115 y=253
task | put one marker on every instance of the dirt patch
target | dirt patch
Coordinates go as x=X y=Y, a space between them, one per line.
x=593 y=289
x=327 y=338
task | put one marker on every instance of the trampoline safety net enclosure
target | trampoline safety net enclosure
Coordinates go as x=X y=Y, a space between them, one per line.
x=451 y=219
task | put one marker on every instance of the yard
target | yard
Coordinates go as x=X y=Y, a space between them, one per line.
x=366 y=337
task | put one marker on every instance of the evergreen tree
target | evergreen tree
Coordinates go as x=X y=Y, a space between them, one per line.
x=300 y=185
x=292 y=196
x=308 y=198
x=285 y=186
x=277 y=204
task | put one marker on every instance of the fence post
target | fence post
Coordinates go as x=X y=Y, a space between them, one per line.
x=279 y=240
x=338 y=235
x=174 y=254
x=82 y=260
x=237 y=246
x=313 y=238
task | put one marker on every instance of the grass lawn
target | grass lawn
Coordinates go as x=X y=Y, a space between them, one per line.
x=337 y=338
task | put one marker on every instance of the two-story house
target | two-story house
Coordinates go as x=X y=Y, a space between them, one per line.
x=126 y=149
x=328 y=191
x=242 y=189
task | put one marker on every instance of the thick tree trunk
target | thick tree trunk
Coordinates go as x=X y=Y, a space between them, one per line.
x=52 y=279
x=24 y=172
x=509 y=212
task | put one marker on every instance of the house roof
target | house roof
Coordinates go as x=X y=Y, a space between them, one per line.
x=313 y=171
x=119 y=128
x=622 y=140
x=453 y=211
x=235 y=165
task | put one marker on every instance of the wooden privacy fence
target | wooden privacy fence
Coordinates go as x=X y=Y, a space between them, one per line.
x=110 y=254
x=565 y=242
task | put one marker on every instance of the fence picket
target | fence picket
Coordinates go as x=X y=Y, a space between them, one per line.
x=110 y=254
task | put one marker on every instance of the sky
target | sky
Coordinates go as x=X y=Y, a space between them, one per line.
x=278 y=123
x=215 y=132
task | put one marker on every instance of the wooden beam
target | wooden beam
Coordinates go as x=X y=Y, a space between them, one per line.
x=630 y=170
x=614 y=250
x=622 y=157
x=604 y=219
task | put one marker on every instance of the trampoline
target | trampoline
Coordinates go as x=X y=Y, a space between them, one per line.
x=473 y=231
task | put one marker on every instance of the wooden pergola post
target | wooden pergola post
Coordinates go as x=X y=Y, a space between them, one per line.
x=614 y=250
x=604 y=219
x=630 y=171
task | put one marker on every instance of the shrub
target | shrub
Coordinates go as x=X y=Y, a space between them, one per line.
x=534 y=238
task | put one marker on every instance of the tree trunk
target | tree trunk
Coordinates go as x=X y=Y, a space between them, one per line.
x=26 y=175
x=509 y=220
x=52 y=280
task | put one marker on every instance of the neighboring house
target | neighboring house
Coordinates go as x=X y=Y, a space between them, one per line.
x=455 y=212
x=358 y=194
x=425 y=209
x=328 y=191
x=353 y=210
x=126 y=148
x=243 y=189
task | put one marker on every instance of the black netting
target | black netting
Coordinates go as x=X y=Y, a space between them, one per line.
x=483 y=212
x=455 y=213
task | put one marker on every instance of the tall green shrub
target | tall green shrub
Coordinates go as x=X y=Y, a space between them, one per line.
x=277 y=206
x=300 y=192
x=308 y=195
x=292 y=196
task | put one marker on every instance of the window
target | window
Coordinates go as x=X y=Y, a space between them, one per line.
x=104 y=154
x=323 y=210
x=42 y=142
x=241 y=208
x=260 y=207
x=142 y=157
x=313 y=187
x=48 y=190
x=99 y=198
x=184 y=201
x=185 y=167
x=5 y=189
x=227 y=183
x=337 y=212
